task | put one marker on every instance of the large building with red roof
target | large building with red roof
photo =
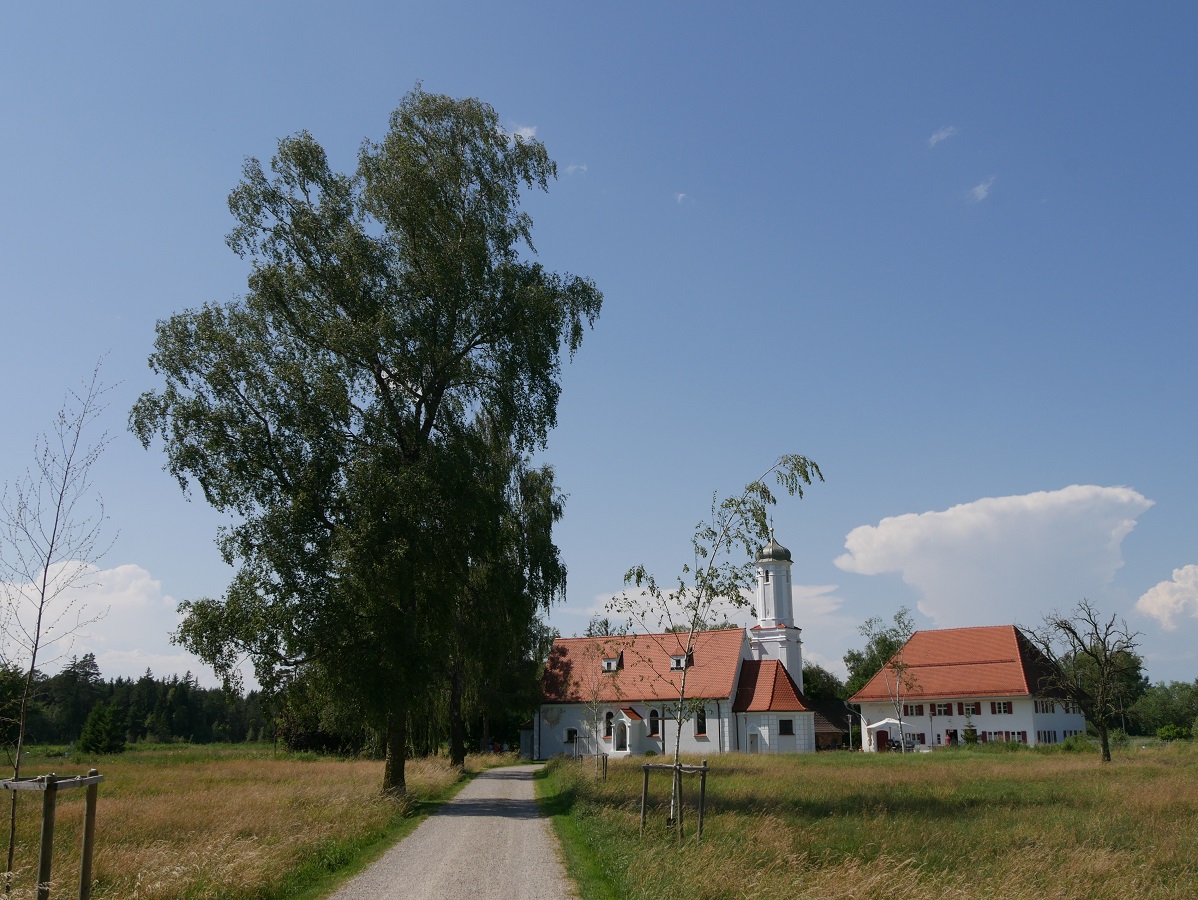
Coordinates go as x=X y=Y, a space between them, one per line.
x=744 y=687
x=956 y=684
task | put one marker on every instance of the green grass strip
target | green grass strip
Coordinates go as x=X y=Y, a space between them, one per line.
x=583 y=864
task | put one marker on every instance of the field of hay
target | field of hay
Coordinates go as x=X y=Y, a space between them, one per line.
x=234 y=821
x=957 y=823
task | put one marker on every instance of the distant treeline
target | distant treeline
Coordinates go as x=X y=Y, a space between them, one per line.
x=78 y=705
x=151 y=708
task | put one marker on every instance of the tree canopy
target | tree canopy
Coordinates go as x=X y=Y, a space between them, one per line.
x=369 y=406
x=882 y=643
x=1094 y=665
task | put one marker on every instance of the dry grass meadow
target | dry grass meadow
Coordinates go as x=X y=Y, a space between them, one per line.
x=223 y=822
x=960 y=823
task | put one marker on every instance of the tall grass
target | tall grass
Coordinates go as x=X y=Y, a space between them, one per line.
x=951 y=824
x=224 y=822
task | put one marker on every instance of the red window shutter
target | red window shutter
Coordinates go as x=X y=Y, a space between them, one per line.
x=993 y=708
x=960 y=708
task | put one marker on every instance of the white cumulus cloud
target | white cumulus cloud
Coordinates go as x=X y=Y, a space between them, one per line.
x=942 y=134
x=528 y=132
x=1170 y=599
x=1002 y=559
x=980 y=192
x=128 y=620
x=576 y=169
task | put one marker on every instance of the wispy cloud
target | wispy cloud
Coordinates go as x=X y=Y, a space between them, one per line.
x=680 y=197
x=1002 y=559
x=1172 y=598
x=942 y=134
x=576 y=169
x=528 y=132
x=980 y=192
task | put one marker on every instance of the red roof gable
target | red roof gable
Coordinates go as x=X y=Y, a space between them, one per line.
x=574 y=672
x=990 y=661
x=766 y=686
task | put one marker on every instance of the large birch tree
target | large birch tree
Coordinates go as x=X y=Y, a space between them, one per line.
x=394 y=317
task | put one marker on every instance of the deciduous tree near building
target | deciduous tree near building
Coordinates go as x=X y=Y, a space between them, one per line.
x=1095 y=664
x=344 y=413
x=717 y=575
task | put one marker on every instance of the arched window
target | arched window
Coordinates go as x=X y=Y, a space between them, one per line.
x=607 y=724
x=701 y=723
x=654 y=723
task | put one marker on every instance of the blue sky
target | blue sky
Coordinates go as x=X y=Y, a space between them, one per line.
x=947 y=252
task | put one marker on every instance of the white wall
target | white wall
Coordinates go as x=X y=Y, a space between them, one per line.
x=769 y=736
x=1021 y=718
x=553 y=721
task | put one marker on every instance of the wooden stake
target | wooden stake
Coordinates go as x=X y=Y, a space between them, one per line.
x=89 y=839
x=45 y=854
x=702 y=798
x=644 y=795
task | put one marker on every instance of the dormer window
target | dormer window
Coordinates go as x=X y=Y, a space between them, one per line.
x=612 y=663
x=680 y=662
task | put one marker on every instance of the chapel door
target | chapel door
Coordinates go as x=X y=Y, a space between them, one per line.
x=753 y=741
x=883 y=740
x=621 y=737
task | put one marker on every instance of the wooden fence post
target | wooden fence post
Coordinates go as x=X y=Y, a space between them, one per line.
x=45 y=854
x=644 y=795
x=702 y=798
x=89 y=839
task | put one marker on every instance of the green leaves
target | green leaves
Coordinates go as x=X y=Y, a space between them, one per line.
x=373 y=399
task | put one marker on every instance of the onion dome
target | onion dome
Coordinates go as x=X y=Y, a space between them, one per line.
x=773 y=552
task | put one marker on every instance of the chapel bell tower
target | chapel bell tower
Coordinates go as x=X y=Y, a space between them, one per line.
x=775 y=635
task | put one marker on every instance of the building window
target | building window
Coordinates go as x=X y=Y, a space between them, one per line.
x=1046 y=706
x=680 y=662
x=973 y=708
x=912 y=709
x=607 y=724
x=1069 y=707
x=610 y=665
x=571 y=735
x=786 y=726
x=701 y=723
x=942 y=709
x=1001 y=708
x=767 y=576
x=654 y=723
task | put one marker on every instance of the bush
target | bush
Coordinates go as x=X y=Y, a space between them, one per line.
x=1169 y=733
x=1077 y=743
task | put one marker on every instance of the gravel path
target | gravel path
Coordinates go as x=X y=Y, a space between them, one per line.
x=489 y=841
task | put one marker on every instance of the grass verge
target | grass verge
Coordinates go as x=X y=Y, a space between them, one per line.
x=185 y=822
x=953 y=824
x=583 y=863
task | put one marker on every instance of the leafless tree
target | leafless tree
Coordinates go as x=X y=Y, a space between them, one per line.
x=1094 y=663
x=52 y=535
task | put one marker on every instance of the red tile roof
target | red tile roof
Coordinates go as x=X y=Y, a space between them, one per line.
x=574 y=672
x=989 y=661
x=766 y=686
